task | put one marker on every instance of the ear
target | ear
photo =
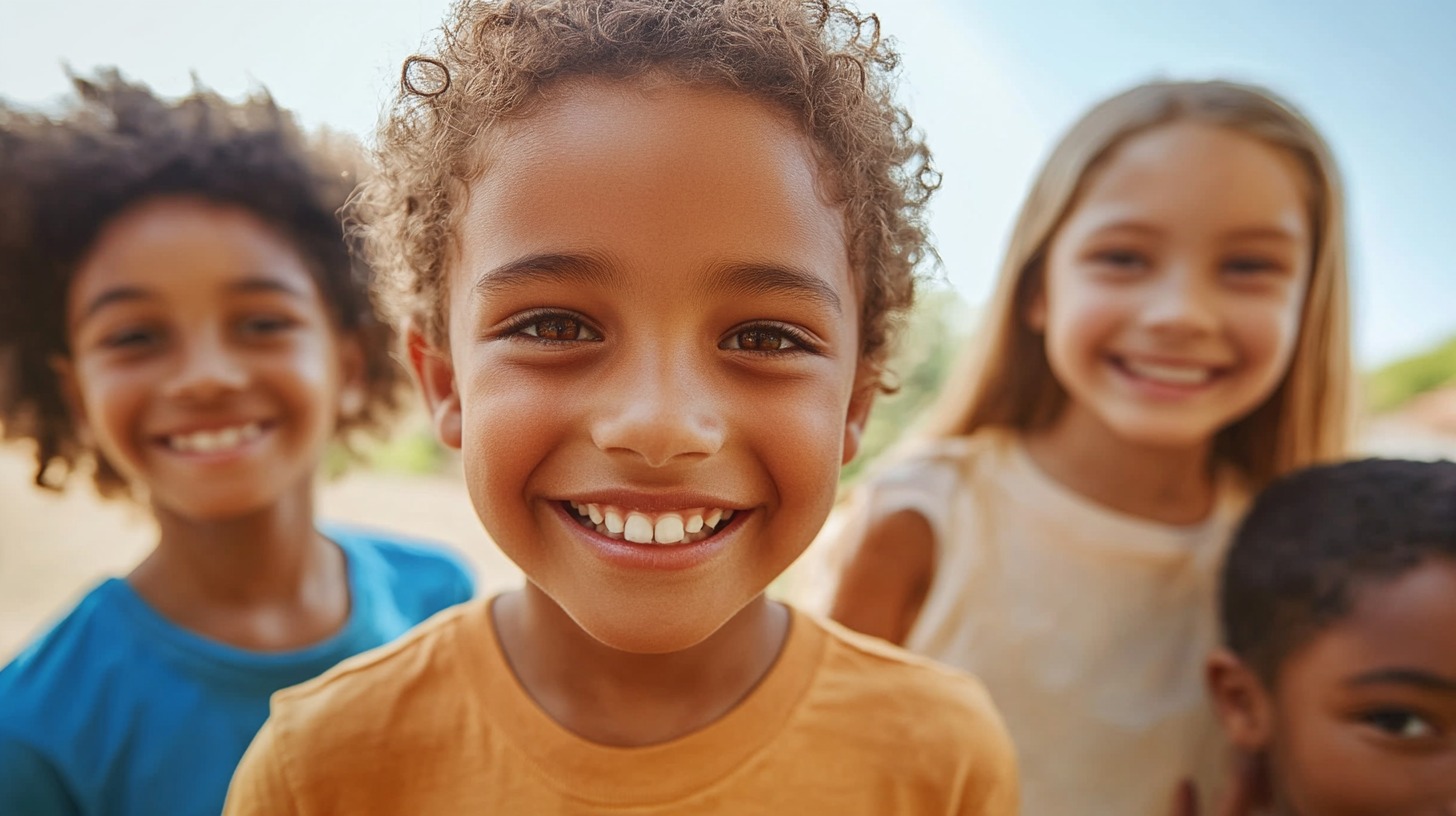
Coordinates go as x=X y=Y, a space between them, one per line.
x=69 y=384
x=1242 y=703
x=353 y=381
x=435 y=374
x=860 y=403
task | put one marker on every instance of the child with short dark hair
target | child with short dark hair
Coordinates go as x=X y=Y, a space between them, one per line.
x=183 y=320
x=649 y=251
x=1339 y=612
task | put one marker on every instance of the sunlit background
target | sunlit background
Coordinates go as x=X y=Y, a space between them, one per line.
x=992 y=83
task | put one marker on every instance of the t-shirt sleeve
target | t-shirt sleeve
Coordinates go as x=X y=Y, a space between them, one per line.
x=31 y=784
x=991 y=783
x=259 y=787
x=993 y=788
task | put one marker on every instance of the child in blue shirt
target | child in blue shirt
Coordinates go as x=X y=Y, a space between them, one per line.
x=181 y=318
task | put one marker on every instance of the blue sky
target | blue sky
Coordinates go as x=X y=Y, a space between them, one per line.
x=992 y=83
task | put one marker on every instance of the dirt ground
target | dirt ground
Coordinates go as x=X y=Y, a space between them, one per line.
x=53 y=548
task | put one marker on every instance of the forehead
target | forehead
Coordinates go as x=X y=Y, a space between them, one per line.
x=184 y=244
x=1202 y=175
x=1408 y=622
x=660 y=175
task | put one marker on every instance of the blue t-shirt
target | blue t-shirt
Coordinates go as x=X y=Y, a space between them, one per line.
x=117 y=711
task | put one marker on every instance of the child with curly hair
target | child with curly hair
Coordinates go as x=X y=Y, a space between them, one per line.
x=184 y=321
x=648 y=252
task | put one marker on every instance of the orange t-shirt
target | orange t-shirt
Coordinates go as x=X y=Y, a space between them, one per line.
x=437 y=724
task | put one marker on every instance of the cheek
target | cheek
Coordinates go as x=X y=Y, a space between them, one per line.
x=1081 y=318
x=1327 y=767
x=799 y=435
x=509 y=422
x=109 y=395
x=1267 y=333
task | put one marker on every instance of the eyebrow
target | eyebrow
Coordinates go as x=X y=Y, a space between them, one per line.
x=1405 y=677
x=119 y=294
x=748 y=279
x=129 y=294
x=554 y=267
x=725 y=279
x=1237 y=233
x=1264 y=233
x=261 y=283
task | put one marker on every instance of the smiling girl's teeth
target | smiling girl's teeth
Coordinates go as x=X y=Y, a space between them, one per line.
x=640 y=527
x=1170 y=374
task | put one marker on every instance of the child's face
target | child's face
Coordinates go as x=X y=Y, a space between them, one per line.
x=1362 y=721
x=1173 y=290
x=204 y=364
x=652 y=325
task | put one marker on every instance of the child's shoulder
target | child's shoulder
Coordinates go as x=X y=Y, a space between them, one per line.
x=85 y=647
x=420 y=562
x=892 y=690
x=875 y=664
x=963 y=456
x=409 y=668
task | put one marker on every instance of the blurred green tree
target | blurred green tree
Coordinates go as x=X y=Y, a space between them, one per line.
x=927 y=351
x=1392 y=385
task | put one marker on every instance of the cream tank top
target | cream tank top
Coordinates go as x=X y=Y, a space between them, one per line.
x=1089 y=627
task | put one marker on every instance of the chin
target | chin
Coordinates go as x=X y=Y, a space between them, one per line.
x=213 y=509
x=1159 y=434
x=646 y=633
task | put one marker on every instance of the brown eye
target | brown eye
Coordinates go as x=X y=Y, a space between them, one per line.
x=761 y=340
x=557 y=328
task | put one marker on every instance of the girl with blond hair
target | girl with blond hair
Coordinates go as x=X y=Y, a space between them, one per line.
x=1169 y=333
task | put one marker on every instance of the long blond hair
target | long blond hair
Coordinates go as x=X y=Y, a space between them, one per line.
x=1010 y=382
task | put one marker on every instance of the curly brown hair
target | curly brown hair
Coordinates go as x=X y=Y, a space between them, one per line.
x=63 y=178
x=821 y=61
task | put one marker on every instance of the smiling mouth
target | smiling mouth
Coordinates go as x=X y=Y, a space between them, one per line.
x=1177 y=375
x=216 y=440
x=641 y=527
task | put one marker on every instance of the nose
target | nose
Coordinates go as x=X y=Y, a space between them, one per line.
x=1183 y=302
x=206 y=369
x=659 y=411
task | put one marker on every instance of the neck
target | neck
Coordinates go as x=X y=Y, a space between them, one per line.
x=621 y=698
x=1172 y=485
x=264 y=580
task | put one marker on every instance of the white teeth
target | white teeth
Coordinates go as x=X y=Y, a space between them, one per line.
x=613 y=519
x=214 y=441
x=638 y=530
x=641 y=527
x=669 y=529
x=1170 y=374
